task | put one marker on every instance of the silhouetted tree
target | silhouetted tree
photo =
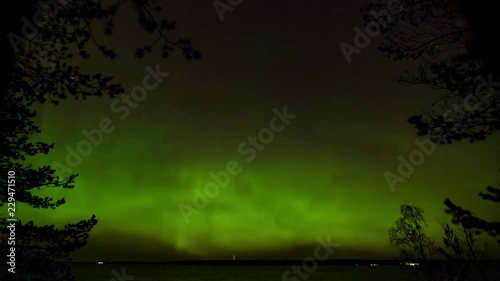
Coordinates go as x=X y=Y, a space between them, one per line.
x=460 y=247
x=37 y=67
x=408 y=234
x=409 y=237
x=452 y=44
x=468 y=219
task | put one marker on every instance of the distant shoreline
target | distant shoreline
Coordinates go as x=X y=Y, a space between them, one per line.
x=290 y=262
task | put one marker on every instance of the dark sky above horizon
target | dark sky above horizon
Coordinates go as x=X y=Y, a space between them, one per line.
x=321 y=176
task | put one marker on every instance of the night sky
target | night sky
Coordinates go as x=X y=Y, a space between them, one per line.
x=319 y=176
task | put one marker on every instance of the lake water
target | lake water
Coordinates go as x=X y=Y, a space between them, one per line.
x=205 y=272
x=164 y=272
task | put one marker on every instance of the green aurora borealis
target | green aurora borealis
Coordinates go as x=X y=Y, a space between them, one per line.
x=322 y=176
